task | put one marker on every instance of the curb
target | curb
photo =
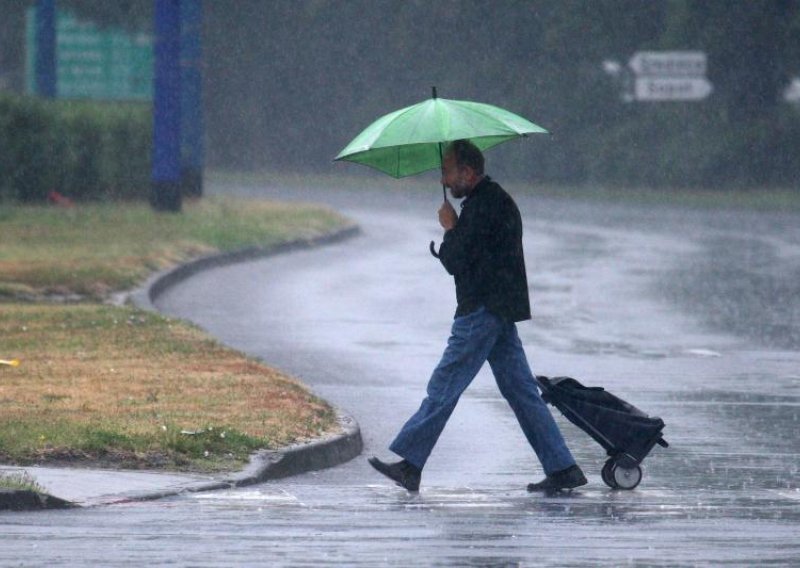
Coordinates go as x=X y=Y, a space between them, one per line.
x=320 y=453
x=313 y=455
x=27 y=500
x=145 y=296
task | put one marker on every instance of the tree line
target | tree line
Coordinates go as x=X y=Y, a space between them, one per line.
x=287 y=84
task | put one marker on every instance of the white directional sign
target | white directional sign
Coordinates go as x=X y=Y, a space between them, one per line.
x=672 y=88
x=669 y=63
x=668 y=76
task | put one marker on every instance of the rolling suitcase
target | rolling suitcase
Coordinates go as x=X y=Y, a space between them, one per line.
x=625 y=432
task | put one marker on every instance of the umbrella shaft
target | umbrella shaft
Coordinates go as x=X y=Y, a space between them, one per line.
x=441 y=159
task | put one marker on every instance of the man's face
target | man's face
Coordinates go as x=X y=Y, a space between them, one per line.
x=458 y=179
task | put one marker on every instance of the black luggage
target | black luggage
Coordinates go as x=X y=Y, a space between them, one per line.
x=626 y=433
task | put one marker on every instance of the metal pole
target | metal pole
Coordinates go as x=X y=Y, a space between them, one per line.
x=45 y=62
x=192 y=128
x=441 y=159
x=165 y=194
x=441 y=164
x=432 y=246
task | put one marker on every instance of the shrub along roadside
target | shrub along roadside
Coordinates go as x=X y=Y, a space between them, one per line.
x=115 y=386
x=84 y=150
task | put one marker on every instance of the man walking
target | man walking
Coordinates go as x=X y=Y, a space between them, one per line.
x=482 y=249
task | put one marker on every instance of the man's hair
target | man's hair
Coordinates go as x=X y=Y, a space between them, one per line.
x=466 y=154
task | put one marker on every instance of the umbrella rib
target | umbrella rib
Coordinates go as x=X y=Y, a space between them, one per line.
x=486 y=114
x=466 y=118
x=503 y=120
x=417 y=124
x=398 y=117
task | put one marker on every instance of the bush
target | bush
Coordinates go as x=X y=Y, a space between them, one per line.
x=84 y=150
x=695 y=146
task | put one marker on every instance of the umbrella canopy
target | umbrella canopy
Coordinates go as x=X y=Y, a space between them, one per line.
x=409 y=141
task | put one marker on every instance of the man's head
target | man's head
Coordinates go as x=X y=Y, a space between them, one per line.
x=462 y=167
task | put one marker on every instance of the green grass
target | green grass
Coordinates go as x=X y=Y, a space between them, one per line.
x=119 y=387
x=19 y=481
x=95 y=249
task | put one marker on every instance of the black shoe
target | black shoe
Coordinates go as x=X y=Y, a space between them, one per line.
x=403 y=473
x=565 y=479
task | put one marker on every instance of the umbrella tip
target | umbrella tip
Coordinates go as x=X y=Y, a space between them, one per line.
x=434 y=92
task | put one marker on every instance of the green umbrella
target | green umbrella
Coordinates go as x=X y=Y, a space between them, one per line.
x=409 y=141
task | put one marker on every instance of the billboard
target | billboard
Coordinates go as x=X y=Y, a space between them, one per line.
x=94 y=62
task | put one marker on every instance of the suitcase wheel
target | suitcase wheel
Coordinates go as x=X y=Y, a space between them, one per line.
x=618 y=477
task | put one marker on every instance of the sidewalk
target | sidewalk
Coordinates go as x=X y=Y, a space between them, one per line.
x=89 y=487
x=86 y=487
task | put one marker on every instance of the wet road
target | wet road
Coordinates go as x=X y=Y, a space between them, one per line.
x=691 y=315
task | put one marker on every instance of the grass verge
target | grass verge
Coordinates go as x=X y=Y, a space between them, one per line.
x=92 y=250
x=118 y=387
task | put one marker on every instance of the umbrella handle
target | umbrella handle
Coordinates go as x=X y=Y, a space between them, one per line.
x=432 y=248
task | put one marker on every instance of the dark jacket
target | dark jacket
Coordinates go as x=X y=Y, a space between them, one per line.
x=484 y=254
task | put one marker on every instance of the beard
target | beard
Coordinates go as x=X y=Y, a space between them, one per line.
x=459 y=189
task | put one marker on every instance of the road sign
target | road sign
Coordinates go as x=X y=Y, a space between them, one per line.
x=671 y=88
x=669 y=63
x=97 y=63
x=668 y=76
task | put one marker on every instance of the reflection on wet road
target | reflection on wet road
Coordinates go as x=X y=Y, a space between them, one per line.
x=625 y=297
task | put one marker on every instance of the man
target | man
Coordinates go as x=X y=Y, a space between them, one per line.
x=482 y=249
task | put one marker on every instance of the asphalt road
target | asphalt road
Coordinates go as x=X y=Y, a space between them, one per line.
x=693 y=316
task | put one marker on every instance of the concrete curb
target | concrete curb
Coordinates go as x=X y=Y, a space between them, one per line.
x=27 y=500
x=145 y=296
x=313 y=455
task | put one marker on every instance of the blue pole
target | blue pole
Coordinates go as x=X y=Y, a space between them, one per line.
x=192 y=128
x=45 y=62
x=165 y=192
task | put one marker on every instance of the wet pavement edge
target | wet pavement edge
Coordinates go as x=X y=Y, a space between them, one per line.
x=29 y=500
x=145 y=296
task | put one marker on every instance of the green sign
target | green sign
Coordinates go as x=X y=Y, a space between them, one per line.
x=93 y=62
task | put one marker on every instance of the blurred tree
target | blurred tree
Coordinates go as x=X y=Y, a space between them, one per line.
x=752 y=48
x=12 y=43
x=288 y=83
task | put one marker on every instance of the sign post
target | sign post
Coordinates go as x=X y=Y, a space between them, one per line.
x=45 y=42
x=165 y=191
x=192 y=148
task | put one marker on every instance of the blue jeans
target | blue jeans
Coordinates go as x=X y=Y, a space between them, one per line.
x=477 y=337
